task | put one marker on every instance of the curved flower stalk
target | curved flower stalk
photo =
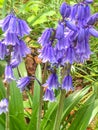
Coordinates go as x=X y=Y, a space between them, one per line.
x=69 y=44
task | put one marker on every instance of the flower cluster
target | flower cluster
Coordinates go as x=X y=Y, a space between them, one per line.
x=13 y=49
x=68 y=43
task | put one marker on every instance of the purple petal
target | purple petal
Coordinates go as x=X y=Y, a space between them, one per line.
x=9 y=76
x=60 y=31
x=93 y=32
x=3 y=106
x=67 y=83
x=49 y=95
x=23 y=82
x=71 y=26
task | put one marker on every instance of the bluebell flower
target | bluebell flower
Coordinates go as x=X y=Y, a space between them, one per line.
x=49 y=95
x=20 y=50
x=80 y=12
x=5 y=22
x=60 y=56
x=67 y=83
x=52 y=81
x=70 y=55
x=60 y=31
x=22 y=28
x=10 y=39
x=65 y=10
x=71 y=25
x=80 y=48
x=62 y=43
x=3 y=50
x=3 y=106
x=47 y=54
x=81 y=35
x=46 y=35
x=9 y=76
x=23 y=82
x=12 y=28
x=87 y=11
x=14 y=63
x=92 y=19
x=74 y=11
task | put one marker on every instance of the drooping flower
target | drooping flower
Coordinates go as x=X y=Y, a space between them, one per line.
x=60 y=31
x=23 y=82
x=6 y=21
x=49 y=95
x=52 y=81
x=67 y=83
x=9 y=76
x=12 y=28
x=46 y=35
x=14 y=63
x=80 y=12
x=87 y=11
x=62 y=43
x=65 y=10
x=22 y=28
x=74 y=9
x=20 y=50
x=92 y=19
x=3 y=106
x=81 y=35
x=3 y=50
x=70 y=55
x=10 y=39
x=48 y=54
x=60 y=56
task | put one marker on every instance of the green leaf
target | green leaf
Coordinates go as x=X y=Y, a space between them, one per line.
x=83 y=115
x=2 y=90
x=40 y=18
x=49 y=114
x=2 y=122
x=95 y=110
x=16 y=110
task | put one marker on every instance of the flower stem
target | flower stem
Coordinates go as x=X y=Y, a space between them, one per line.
x=7 y=114
x=12 y=4
x=59 y=111
x=41 y=99
x=40 y=109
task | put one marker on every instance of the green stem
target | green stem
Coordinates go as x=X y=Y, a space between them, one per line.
x=40 y=108
x=59 y=111
x=7 y=114
x=12 y=4
x=41 y=99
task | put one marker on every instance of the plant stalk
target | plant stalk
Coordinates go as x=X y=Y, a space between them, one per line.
x=41 y=99
x=59 y=111
x=7 y=114
x=40 y=108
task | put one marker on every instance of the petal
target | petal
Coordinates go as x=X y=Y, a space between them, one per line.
x=93 y=32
